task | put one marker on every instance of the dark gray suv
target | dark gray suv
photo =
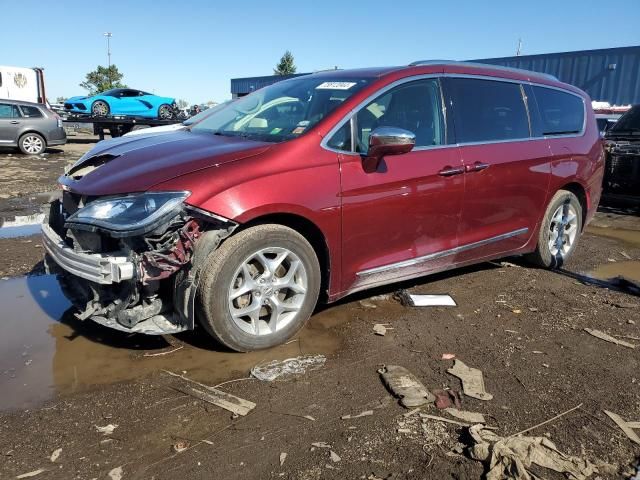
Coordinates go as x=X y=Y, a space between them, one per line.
x=32 y=127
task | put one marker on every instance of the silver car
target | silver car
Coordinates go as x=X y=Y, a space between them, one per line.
x=31 y=127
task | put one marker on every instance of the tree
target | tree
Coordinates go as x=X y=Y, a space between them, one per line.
x=286 y=65
x=182 y=104
x=103 y=78
x=61 y=99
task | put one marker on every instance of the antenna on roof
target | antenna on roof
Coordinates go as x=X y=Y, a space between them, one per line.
x=519 y=49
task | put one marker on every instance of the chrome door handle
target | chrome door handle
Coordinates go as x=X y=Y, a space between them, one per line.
x=14 y=122
x=450 y=171
x=476 y=167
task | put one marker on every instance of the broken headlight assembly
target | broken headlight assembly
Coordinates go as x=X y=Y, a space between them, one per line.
x=127 y=215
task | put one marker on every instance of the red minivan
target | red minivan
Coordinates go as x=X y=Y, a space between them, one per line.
x=321 y=186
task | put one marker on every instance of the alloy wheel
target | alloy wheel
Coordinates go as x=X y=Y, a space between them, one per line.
x=100 y=109
x=165 y=112
x=563 y=230
x=33 y=144
x=267 y=291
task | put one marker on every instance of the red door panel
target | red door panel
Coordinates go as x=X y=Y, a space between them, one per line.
x=502 y=202
x=403 y=211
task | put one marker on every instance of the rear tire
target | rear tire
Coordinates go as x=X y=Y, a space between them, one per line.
x=559 y=232
x=100 y=108
x=259 y=288
x=32 y=144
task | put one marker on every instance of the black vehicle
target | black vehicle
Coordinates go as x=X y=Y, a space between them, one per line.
x=622 y=144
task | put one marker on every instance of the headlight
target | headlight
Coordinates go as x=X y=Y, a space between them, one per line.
x=128 y=215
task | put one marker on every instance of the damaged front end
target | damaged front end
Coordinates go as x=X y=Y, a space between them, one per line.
x=131 y=262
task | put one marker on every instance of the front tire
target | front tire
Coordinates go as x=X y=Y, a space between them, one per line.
x=559 y=232
x=32 y=144
x=259 y=288
x=100 y=108
x=165 y=112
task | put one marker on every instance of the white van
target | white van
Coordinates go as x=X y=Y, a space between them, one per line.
x=25 y=84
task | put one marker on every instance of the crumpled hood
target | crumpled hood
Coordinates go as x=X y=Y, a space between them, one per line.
x=135 y=164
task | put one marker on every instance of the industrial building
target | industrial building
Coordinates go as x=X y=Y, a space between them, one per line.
x=609 y=75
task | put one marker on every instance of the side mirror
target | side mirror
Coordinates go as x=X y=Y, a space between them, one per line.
x=385 y=141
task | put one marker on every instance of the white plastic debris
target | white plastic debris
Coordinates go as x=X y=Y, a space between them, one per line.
x=116 y=473
x=56 y=453
x=107 y=429
x=432 y=301
x=335 y=458
x=280 y=369
x=32 y=474
x=283 y=457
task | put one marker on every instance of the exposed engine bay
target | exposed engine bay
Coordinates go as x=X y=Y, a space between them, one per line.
x=142 y=279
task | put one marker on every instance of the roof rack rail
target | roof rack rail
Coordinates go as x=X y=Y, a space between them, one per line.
x=419 y=63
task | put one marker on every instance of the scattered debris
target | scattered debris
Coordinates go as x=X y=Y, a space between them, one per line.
x=162 y=353
x=321 y=445
x=367 y=304
x=533 y=309
x=56 y=453
x=381 y=328
x=280 y=369
x=625 y=255
x=335 y=458
x=547 y=421
x=517 y=311
x=404 y=384
x=447 y=398
x=366 y=413
x=107 y=429
x=472 y=380
x=509 y=264
x=445 y=420
x=409 y=300
x=511 y=457
x=608 y=338
x=283 y=457
x=208 y=442
x=116 y=473
x=236 y=405
x=181 y=446
x=32 y=474
x=448 y=356
x=626 y=427
x=470 y=417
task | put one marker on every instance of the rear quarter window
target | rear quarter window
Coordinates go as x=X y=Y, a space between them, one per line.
x=31 y=112
x=561 y=113
x=487 y=110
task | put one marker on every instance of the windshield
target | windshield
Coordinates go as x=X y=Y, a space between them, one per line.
x=283 y=110
x=630 y=121
x=204 y=114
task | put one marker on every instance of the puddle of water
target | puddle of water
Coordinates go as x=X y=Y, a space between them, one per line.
x=630 y=237
x=21 y=226
x=45 y=351
x=630 y=270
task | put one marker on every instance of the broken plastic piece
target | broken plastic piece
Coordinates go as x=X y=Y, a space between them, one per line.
x=281 y=369
x=381 y=328
x=447 y=398
x=472 y=380
x=427 y=300
x=404 y=384
x=366 y=413
x=470 y=417
x=608 y=338
x=624 y=426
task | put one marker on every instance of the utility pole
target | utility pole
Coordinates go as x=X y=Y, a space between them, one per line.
x=108 y=35
x=519 y=49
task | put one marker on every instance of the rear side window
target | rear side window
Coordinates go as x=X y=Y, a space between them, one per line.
x=487 y=110
x=561 y=113
x=31 y=112
x=8 y=111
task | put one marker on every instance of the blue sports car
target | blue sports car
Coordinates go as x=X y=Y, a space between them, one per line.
x=123 y=101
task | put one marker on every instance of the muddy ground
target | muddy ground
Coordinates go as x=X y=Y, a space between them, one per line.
x=523 y=327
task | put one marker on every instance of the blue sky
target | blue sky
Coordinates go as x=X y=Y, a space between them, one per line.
x=190 y=49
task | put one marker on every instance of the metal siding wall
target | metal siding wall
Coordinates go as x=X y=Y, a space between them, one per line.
x=589 y=71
